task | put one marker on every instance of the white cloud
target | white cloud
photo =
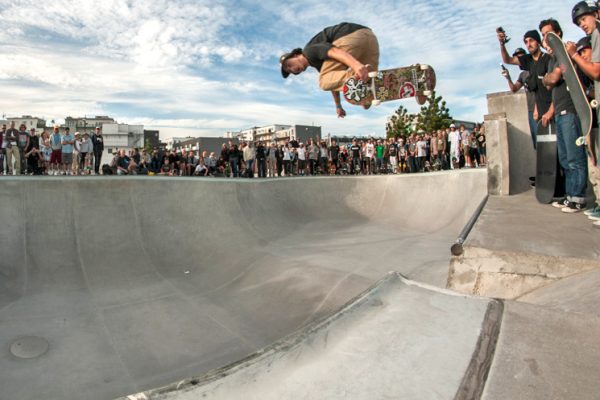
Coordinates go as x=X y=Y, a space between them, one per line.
x=211 y=66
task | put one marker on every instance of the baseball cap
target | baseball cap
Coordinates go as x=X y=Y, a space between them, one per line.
x=519 y=50
x=285 y=57
x=583 y=43
x=452 y=126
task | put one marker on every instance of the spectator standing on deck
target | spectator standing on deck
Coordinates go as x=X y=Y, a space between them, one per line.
x=249 y=158
x=522 y=83
x=13 y=157
x=67 y=143
x=98 y=148
x=454 y=140
x=2 y=148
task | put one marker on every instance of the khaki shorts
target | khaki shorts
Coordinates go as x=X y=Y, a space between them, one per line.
x=362 y=45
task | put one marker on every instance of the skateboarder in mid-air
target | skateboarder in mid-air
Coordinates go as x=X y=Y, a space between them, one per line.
x=338 y=52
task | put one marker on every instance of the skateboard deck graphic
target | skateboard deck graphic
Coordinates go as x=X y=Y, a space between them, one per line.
x=577 y=93
x=391 y=84
x=548 y=178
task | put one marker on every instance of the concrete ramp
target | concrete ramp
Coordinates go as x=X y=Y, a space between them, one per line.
x=135 y=283
x=398 y=340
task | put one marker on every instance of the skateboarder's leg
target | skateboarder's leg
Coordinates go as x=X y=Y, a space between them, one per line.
x=362 y=45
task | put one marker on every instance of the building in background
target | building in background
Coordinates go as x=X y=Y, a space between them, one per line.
x=121 y=137
x=276 y=133
x=86 y=124
x=171 y=142
x=200 y=144
x=29 y=121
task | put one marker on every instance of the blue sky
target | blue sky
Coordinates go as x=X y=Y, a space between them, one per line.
x=207 y=67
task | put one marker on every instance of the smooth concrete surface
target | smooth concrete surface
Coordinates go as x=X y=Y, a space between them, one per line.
x=139 y=282
x=518 y=246
x=397 y=341
x=497 y=156
x=519 y=146
x=545 y=354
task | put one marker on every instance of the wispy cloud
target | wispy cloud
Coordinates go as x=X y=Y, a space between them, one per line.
x=211 y=66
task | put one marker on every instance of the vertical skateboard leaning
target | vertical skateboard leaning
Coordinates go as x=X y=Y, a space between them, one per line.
x=582 y=104
x=391 y=84
x=549 y=180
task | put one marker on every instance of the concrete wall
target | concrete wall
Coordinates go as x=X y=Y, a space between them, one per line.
x=518 y=146
x=496 y=127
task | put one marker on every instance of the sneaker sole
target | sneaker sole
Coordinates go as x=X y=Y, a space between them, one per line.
x=569 y=210
x=594 y=218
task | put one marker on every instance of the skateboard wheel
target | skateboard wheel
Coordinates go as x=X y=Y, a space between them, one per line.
x=427 y=93
x=594 y=103
x=373 y=74
x=376 y=102
x=424 y=67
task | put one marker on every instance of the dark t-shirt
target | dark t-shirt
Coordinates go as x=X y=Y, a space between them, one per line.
x=560 y=94
x=537 y=70
x=530 y=95
x=316 y=49
x=355 y=149
x=334 y=151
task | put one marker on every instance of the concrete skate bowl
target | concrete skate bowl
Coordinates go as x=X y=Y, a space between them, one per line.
x=135 y=283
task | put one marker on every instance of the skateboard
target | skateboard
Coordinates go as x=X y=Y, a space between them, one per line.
x=582 y=105
x=549 y=180
x=417 y=81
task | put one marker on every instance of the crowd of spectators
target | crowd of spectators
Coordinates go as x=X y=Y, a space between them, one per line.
x=24 y=152
x=75 y=154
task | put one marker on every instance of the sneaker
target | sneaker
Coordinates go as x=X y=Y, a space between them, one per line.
x=560 y=203
x=597 y=224
x=573 y=207
x=594 y=216
x=591 y=211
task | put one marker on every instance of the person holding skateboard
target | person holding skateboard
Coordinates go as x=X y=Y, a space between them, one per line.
x=337 y=52
x=585 y=16
x=572 y=158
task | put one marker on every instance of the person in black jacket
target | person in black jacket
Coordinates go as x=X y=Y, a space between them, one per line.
x=98 y=143
x=261 y=158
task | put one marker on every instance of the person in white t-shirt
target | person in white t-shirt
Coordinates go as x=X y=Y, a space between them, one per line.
x=454 y=139
x=369 y=154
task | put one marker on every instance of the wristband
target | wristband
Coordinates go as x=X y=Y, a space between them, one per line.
x=338 y=106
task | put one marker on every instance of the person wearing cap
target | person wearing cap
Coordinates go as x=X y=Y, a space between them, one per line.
x=572 y=158
x=521 y=82
x=67 y=142
x=584 y=15
x=536 y=63
x=338 y=52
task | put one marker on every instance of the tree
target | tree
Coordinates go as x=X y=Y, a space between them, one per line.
x=401 y=123
x=434 y=115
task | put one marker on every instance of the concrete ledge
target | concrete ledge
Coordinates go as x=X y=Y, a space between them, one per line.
x=510 y=274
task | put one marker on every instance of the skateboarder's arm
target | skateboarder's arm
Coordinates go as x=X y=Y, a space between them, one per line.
x=341 y=113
